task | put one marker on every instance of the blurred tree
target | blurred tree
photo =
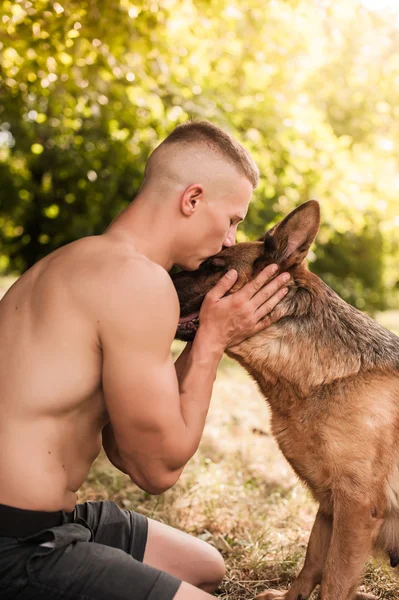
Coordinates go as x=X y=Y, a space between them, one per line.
x=89 y=88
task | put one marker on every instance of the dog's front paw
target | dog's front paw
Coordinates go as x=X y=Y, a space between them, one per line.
x=272 y=595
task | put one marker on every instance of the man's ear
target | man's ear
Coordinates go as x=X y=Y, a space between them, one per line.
x=190 y=198
x=292 y=237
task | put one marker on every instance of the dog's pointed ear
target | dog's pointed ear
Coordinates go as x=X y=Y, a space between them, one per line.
x=268 y=232
x=293 y=236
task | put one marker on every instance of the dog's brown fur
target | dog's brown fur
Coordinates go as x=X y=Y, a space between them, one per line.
x=331 y=376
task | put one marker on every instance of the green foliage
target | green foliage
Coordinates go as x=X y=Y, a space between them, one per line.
x=90 y=88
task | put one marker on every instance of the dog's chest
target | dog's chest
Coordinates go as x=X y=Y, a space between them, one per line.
x=301 y=446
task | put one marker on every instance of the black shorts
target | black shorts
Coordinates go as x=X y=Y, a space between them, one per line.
x=99 y=556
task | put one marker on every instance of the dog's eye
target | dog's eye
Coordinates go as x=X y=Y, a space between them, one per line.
x=213 y=264
x=217 y=264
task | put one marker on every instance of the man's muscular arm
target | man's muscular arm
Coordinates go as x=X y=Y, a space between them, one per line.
x=108 y=438
x=157 y=418
x=149 y=426
x=111 y=449
x=181 y=362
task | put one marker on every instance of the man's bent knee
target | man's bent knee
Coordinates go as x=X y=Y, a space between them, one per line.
x=188 y=592
x=215 y=573
x=184 y=556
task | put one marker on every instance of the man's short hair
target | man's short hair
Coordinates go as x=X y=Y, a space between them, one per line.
x=220 y=142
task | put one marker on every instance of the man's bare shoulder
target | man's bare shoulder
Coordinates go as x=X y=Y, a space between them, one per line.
x=105 y=280
x=129 y=284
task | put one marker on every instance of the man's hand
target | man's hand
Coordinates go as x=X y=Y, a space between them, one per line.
x=230 y=320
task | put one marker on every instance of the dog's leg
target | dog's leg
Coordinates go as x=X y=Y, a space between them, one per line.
x=316 y=553
x=355 y=526
x=311 y=573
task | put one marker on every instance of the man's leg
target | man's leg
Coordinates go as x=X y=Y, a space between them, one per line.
x=90 y=570
x=184 y=556
x=187 y=591
x=65 y=566
x=157 y=545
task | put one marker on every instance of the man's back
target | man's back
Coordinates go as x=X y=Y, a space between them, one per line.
x=52 y=407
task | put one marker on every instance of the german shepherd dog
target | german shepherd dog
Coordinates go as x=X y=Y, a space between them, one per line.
x=331 y=376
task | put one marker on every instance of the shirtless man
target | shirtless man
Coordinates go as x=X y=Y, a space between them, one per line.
x=85 y=361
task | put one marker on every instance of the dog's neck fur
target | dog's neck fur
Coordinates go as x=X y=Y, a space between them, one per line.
x=321 y=341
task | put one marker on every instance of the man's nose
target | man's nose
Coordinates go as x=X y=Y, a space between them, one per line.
x=230 y=239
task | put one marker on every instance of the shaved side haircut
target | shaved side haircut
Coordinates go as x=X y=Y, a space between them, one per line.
x=214 y=139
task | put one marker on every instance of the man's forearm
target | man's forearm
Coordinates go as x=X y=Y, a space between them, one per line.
x=196 y=370
x=181 y=361
x=195 y=385
x=111 y=448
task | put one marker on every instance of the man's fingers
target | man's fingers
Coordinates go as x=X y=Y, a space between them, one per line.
x=223 y=285
x=268 y=306
x=258 y=282
x=269 y=290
